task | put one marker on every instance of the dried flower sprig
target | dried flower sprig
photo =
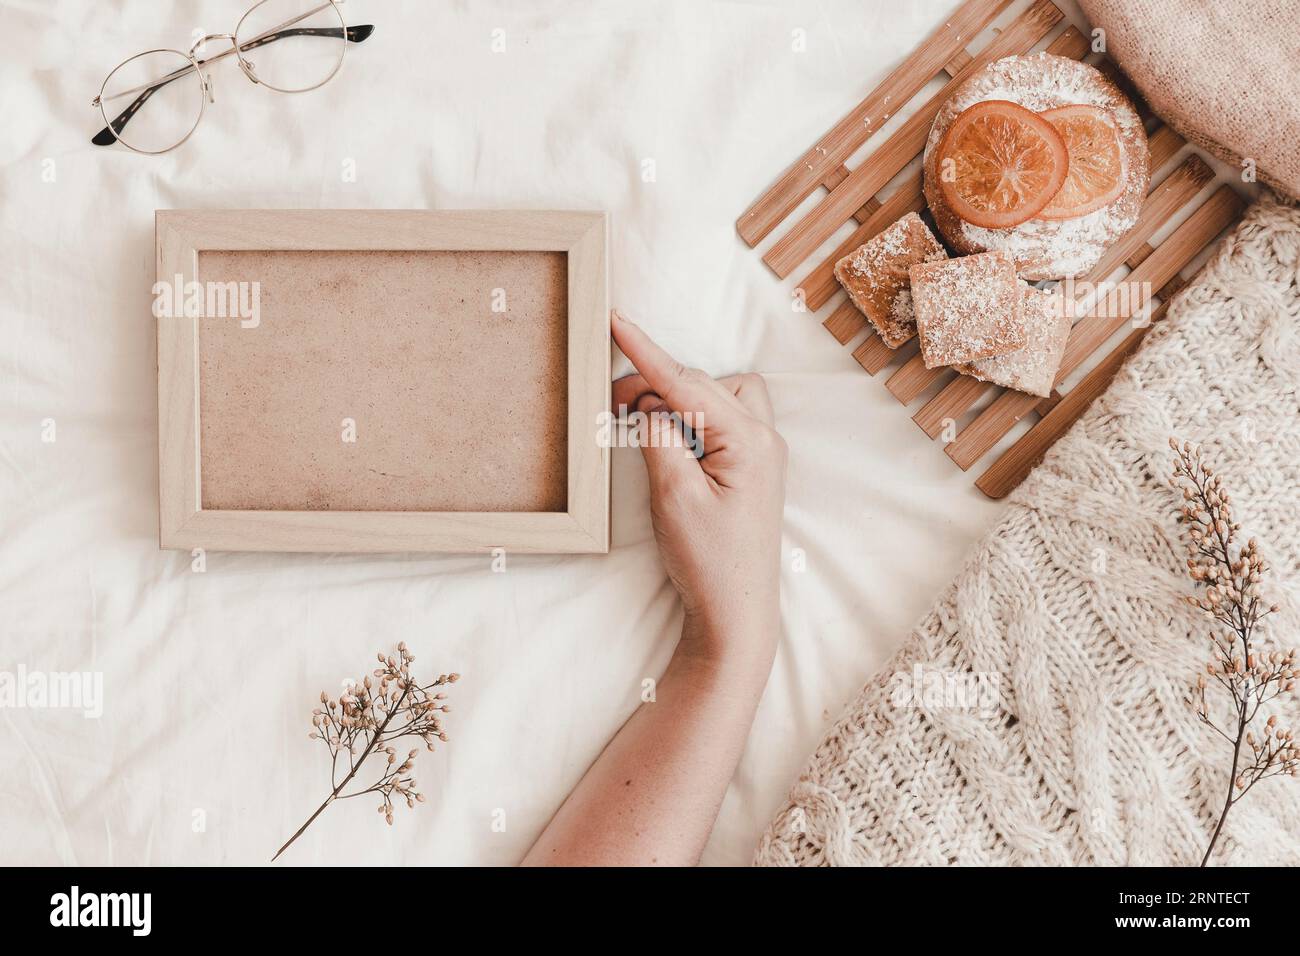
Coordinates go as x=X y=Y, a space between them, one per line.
x=1231 y=575
x=368 y=718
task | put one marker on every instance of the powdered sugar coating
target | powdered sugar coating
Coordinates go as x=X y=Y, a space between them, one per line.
x=1048 y=317
x=876 y=278
x=967 y=308
x=902 y=313
x=1045 y=249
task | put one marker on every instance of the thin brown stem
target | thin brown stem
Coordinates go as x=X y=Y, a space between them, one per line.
x=346 y=780
x=1232 y=782
x=1230 y=573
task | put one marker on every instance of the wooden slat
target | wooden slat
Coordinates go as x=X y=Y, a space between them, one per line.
x=820 y=284
x=911 y=379
x=1046 y=405
x=955 y=400
x=835 y=177
x=1177 y=189
x=1140 y=255
x=1172 y=287
x=843 y=139
x=845 y=322
x=1013 y=465
x=1215 y=215
x=1163 y=143
x=902 y=147
x=868 y=209
x=874 y=354
x=961 y=59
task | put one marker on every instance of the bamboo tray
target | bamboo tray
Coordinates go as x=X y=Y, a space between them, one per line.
x=854 y=196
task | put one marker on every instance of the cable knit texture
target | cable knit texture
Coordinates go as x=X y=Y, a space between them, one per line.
x=1040 y=713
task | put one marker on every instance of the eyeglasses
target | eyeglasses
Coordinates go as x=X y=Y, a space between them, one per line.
x=162 y=93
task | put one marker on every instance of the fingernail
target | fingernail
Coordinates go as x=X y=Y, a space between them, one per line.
x=620 y=317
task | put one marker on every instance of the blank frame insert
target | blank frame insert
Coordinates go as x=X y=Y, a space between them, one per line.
x=386 y=381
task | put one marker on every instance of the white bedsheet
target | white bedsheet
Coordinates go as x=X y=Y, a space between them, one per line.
x=201 y=754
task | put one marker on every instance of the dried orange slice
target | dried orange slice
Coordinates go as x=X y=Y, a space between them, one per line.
x=1096 y=172
x=999 y=164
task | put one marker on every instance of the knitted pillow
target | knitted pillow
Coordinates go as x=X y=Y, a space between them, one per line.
x=1225 y=75
x=1040 y=714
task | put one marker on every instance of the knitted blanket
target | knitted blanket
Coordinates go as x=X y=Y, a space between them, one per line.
x=1222 y=74
x=1040 y=713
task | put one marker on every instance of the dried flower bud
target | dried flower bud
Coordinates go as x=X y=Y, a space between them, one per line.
x=362 y=708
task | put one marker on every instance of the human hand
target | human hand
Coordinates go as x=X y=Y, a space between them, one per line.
x=717 y=518
x=653 y=794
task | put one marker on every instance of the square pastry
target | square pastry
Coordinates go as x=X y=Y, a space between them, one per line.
x=1032 y=369
x=967 y=308
x=876 y=276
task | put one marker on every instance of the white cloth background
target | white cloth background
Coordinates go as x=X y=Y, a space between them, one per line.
x=209 y=678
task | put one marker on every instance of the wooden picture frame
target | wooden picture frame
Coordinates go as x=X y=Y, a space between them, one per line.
x=580 y=525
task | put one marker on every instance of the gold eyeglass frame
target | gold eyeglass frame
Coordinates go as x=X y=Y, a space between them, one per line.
x=114 y=125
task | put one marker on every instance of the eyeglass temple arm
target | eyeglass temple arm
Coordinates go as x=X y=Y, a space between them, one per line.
x=108 y=135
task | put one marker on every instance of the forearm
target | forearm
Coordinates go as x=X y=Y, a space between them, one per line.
x=653 y=794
